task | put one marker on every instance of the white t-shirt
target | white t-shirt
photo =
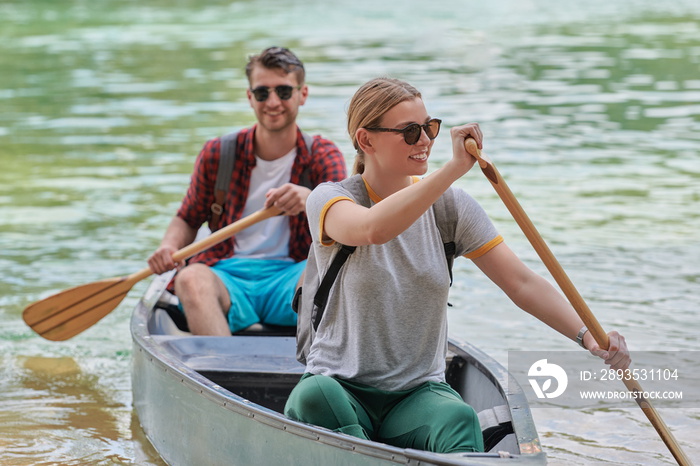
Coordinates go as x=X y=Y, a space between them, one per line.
x=268 y=239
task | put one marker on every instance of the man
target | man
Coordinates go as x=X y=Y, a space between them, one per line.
x=251 y=278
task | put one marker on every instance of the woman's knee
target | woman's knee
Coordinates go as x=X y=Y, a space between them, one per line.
x=320 y=400
x=308 y=399
x=460 y=430
x=435 y=419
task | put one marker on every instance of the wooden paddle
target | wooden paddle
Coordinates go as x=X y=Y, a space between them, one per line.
x=66 y=314
x=570 y=292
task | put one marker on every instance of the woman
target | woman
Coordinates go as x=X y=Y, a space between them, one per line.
x=375 y=369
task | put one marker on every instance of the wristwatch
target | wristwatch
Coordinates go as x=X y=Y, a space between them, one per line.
x=579 y=337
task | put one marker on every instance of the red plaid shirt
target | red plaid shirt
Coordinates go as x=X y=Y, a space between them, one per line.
x=326 y=163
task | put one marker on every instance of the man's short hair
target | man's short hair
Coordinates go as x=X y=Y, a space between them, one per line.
x=277 y=58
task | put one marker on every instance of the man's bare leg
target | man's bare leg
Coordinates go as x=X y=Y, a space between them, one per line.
x=205 y=300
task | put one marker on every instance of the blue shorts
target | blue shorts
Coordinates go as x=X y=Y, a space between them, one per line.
x=261 y=290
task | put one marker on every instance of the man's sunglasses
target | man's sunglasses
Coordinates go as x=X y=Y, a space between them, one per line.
x=412 y=132
x=284 y=92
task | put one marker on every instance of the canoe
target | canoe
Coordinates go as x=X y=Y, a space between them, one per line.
x=218 y=400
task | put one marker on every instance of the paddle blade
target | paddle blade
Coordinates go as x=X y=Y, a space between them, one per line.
x=66 y=314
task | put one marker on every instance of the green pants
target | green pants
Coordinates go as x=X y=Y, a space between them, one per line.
x=431 y=416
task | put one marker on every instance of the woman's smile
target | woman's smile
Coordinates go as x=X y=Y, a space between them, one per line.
x=421 y=156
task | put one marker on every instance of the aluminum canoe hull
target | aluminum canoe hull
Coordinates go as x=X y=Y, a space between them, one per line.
x=191 y=418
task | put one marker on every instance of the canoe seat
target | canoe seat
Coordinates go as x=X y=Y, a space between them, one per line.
x=496 y=424
x=168 y=302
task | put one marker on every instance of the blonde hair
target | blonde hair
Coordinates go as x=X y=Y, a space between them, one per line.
x=369 y=104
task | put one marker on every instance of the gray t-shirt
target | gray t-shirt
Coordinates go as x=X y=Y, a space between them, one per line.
x=385 y=324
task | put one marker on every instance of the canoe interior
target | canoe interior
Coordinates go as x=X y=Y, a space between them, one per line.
x=248 y=366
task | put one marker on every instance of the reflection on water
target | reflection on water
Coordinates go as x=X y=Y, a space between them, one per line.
x=53 y=412
x=591 y=112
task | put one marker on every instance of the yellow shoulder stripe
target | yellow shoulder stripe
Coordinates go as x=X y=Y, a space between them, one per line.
x=485 y=248
x=325 y=241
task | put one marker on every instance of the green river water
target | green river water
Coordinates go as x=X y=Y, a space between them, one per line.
x=590 y=110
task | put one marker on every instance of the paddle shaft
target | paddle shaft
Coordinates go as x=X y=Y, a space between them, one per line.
x=570 y=291
x=213 y=239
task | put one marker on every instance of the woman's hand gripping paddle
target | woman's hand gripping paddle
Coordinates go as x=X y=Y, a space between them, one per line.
x=69 y=312
x=570 y=292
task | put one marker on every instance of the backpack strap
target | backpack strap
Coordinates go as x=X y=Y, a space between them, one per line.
x=324 y=289
x=305 y=178
x=445 y=216
x=356 y=186
x=227 y=158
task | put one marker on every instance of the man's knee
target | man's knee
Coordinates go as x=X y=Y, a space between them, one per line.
x=197 y=285
x=190 y=277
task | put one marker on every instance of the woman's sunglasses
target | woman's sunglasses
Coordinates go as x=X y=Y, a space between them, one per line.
x=284 y=92
x=412 y=132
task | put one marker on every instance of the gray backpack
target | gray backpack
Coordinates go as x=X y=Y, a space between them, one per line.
x=311 y=303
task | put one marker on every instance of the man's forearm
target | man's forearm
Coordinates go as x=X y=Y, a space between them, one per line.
x=179 y=234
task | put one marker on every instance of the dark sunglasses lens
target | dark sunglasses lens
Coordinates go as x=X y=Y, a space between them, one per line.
x=284 y=92
x=411 y=133
x=261 y=94
x=433 y=128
